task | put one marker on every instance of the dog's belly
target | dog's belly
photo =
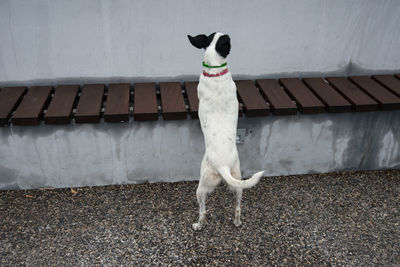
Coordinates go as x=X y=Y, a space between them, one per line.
x=219 y=130
x=222 y=157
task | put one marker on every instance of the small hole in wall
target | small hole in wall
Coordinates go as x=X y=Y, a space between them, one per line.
x=251 y=131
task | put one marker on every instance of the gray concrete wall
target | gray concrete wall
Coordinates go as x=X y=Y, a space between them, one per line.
x=100 y=154
x=55 y=41
x=52 y=42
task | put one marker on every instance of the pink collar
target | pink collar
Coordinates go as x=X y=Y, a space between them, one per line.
x=225 y=71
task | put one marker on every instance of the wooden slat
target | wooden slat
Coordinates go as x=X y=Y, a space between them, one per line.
x=333 y=101
x=31 y=108
x=172 y=102
x=145 y=102
x=60 y=108
x=386 y=99
x=281 y=104
x=390 y=82
x=359 y=100
x=117 y=105
x=193 y=100
x=254 y=103
x=10 y=97
x=89 y=106
x=306 y=100
x=398 y=76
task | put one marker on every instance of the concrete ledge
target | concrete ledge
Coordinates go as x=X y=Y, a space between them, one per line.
x=100 y=154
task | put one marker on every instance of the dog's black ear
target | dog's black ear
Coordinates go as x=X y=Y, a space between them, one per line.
x=198 y=41
x=223 y=45
x=201 y=41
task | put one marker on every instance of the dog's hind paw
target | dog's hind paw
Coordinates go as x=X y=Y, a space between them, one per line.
x=197 y=226
x=237 y=223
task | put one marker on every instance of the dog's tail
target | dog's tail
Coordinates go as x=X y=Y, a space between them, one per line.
x=252 y=181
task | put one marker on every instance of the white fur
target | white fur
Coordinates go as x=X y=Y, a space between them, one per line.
x=218 y=114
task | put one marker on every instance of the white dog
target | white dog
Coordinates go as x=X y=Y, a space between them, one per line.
x=218 y=114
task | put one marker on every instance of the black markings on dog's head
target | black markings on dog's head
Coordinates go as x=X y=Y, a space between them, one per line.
x=223 y=45
x=201 y=41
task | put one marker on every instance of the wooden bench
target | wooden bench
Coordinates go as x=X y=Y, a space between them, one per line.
x=178 y=101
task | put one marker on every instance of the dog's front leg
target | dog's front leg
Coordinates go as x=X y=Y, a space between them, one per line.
x=201 y=194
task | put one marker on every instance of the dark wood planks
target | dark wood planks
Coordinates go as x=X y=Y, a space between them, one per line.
x=306 y=100
x=359 y=100
x=362 y=93
x=390 y=82
x=89 y=106
x=172 y=102
x=254 y=103
x=10 y=97
x=193 y=100
x=333 y=101
x=398 y=76
x=145 y=102
x=386 y=99
x=117 y=105
x=60 y=108
x=281 y=104
x=31 y=108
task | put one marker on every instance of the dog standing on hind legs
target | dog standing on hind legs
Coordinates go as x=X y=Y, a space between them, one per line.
x=218 y=114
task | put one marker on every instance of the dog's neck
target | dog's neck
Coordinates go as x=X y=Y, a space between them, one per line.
x=225 y=71
x=213 y=63
x=215 y=70
x=214 y=67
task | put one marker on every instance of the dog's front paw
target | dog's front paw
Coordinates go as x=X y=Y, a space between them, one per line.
x=237 y=223
x=197 y=226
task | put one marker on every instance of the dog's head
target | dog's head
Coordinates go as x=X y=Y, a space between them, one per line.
x=217 y=46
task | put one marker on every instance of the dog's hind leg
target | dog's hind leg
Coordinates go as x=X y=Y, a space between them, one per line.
x=201 y=195
x=209 y=179
x=238 y=193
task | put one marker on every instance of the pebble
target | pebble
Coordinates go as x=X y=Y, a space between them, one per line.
x=349 y=218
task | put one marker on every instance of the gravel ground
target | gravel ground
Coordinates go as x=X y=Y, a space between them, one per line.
x=322 y=219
